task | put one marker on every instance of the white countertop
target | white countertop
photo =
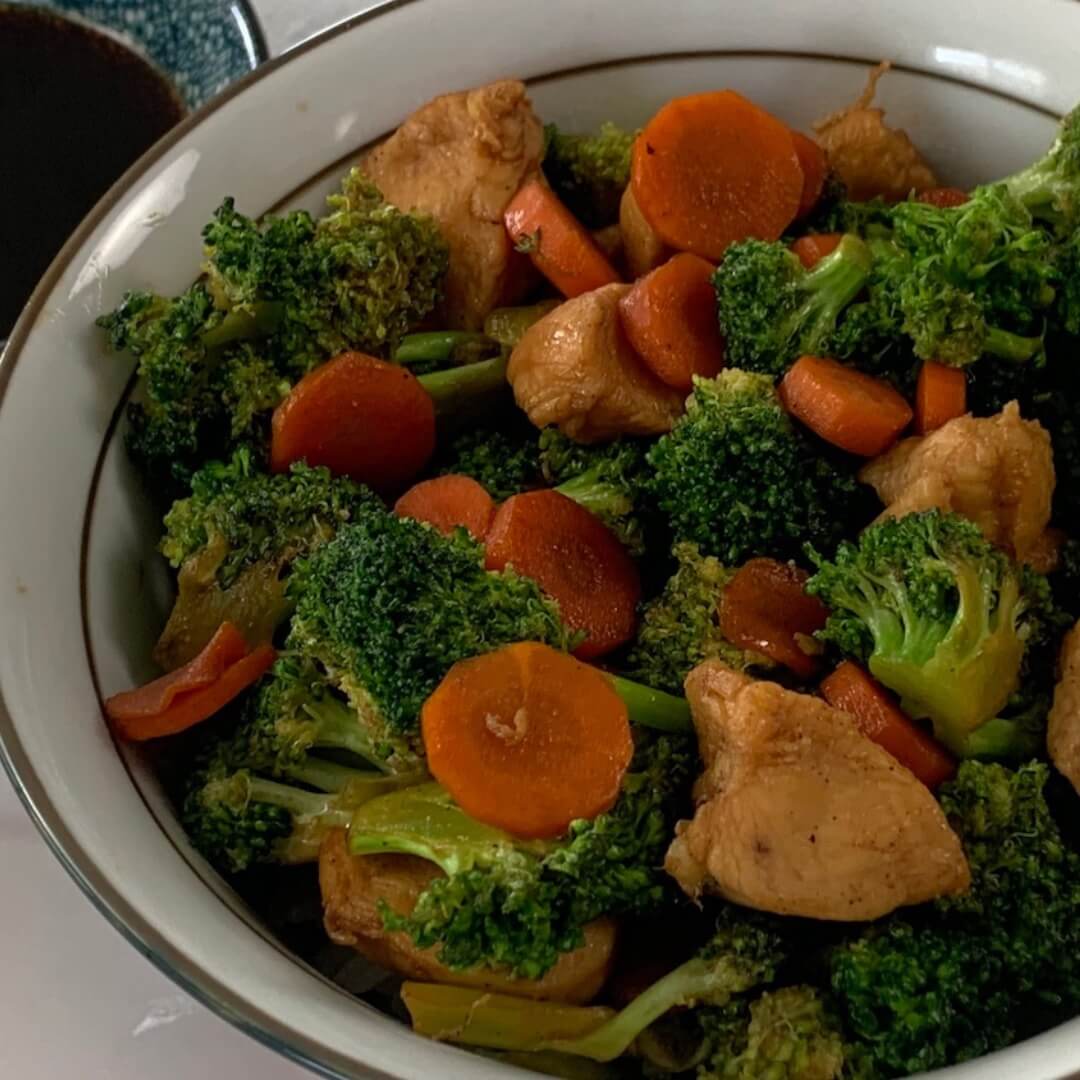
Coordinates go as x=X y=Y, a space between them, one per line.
x=76 y=1000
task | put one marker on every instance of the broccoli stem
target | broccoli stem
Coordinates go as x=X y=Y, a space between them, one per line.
x=303 y=805
x=1007 y=346
x=457 y=389
x=440 y=346
x=831 y=286
x=597 y=496
x=243 y=325
x=339 y=728
x=653 y=708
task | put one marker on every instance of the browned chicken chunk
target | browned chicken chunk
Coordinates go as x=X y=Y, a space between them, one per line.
x=643 y=250
x=576 y=370
x=868 y=156
x=353 y=887
x=799 y=813
x=996 y=470
x=1063 y=730
x=461 y=158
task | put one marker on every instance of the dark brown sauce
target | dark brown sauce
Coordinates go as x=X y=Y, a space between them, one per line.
x=76 y=108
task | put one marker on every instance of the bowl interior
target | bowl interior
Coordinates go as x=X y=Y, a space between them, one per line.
x=87 y=593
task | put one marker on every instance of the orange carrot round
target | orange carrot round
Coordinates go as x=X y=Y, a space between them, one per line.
x=940 y=396
x=527 y=739
x=561 y=248
x=765 y=608
x=709 y=170
x=190 y=694
x=360 y=417
x=811 y=249
x=814 y=168
x=447 y=502
x=944 y=197
x=575 y=559
x=847 y=408
x=850 y=689
x=670 y=319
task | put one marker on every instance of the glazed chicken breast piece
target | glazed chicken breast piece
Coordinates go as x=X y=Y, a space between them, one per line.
x=575 y=370
x=1063 y=727
x=998 y=471
x=353 y=886
x=461 y=158
x=798 y=813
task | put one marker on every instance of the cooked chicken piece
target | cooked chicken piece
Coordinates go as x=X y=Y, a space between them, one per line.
x=575 y=369
x=870 y=158
x=799 y=813
x=1063 y=729
x=353 y=886
x=643 y=250
x=996 y=470
x=609 y=240
x=461 y=158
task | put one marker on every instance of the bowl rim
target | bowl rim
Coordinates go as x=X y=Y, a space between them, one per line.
x=153 y=945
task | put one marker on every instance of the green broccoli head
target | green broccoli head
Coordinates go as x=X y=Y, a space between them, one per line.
x=1067 y=266
x=589 y=172
x=1050 y=187
x=521 y=904
x=942 y=617
x=973 y=973
x=504 y=459
x=389 y=606
x=681 y=627
x=609 y=480
x=257 y=517
x=736 y=478
x=772 y=310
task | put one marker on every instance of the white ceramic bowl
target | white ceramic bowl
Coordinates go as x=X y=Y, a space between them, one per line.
x=83 y=592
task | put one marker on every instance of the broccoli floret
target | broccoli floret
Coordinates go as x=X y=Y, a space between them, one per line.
x=589 y=172
x=254 y=516
x=609 y=480
x=1067 y=283
x=521 y=904
x=737 y=478
x=359 y=278
x=504 y=459
x=973 y=973
x=389 y=605
x=942 y=617
x=772 y=310
x=1050 y=187
x=681 y=627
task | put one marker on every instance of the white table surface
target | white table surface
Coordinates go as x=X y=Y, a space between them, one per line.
x=76 y=1001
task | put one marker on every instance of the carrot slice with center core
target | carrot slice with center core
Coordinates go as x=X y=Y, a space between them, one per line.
x=847 y=408
x=850 y=689
x=575 y=559
x=527 y=739
x=709 y=170
x=765 y=608
x=449 y=502
x=940 y=396
x=670 y=319
x=360 y=417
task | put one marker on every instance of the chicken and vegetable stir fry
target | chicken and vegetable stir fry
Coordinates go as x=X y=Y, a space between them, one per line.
x=630 y=579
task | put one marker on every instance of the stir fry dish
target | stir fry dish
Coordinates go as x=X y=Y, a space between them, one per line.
x=630 y=580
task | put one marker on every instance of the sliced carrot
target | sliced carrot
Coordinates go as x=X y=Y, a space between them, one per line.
x=575 y=559
x=449 y=502
x=940 y=396
x=945 y=197
x=850 y=689
x=847 y=408
x=814 y=168
x=811 y=249
x=561 y=248
x=709 y=170
x=670 y=319
x=527 y=739
x=191 y=694
x=765 y=608
x=360 y=417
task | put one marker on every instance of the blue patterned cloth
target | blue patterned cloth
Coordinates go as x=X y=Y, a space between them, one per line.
x=203 y=45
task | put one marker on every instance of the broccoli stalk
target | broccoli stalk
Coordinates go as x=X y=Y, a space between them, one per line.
x=461 y=391
x=772 y=310
x=1050 y=187
x=944 y=618
x=737 y=958
x=434 y=350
